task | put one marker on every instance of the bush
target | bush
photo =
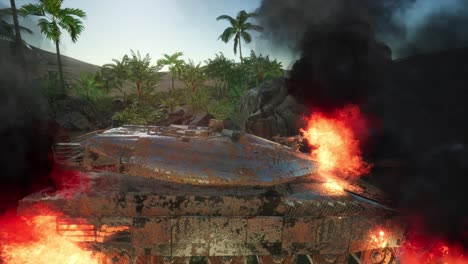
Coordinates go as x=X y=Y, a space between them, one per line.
x=140 y=115
x=221 y=109
x=198 y=99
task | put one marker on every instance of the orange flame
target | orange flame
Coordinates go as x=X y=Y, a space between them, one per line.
x=334 y=139
x=436 y=253
x=35 y=240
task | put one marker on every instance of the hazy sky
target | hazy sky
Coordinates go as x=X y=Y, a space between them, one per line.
x=113 y=27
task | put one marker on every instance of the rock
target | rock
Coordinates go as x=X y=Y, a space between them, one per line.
x=78 y=114
x=74 y=121
x=200 y=119
x=271 y=111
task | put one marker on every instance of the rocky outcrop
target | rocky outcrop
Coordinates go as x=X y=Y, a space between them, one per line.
x=186 y=115
x=77 y=114
x=271 y=111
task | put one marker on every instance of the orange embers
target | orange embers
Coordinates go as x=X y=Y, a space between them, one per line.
x=431 y=253
x=379 y=239
x=36 y=240
x=108 y=231
x=334 y=142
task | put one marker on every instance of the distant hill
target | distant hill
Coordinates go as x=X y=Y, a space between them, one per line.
x=46 y=61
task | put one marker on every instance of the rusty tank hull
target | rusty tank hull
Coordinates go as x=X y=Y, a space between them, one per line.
x=165 y=194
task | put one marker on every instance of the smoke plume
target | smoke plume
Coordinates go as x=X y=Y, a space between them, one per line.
x=347 y=52
x=25 y=138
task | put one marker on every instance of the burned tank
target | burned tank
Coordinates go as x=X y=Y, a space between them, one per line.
x=175 y=194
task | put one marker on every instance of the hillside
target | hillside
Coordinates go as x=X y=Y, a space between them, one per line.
x=45 y=61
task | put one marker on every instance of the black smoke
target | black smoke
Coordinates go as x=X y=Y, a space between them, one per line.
x=26 y=133
x=347 y=52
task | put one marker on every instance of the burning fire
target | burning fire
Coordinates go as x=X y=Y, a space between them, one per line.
x=431 y=252
x=334 y=142
x=36 y=240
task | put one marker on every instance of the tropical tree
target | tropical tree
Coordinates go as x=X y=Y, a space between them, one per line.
x=7 y=30
x=88 y=86
x=193 y=75
x=175 y=64
x=142 y=73
x=238 y=30
x=53 y=19
x=261 y=68
x=220 y=69
x=114 y=74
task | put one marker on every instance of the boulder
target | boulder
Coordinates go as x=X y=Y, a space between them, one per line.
x=271 y=111
x=78 y=114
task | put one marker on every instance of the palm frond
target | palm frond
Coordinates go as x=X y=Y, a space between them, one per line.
x=72 y=25
x=243 y=16
x=50 y=29
x=227 y=34
x=246 y=37
x=52 y=6
x=32 y=9
x=228 y=18
x=73 y=12
x=249 y=26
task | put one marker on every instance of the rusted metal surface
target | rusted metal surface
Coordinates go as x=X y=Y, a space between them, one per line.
x=195 y=156
x=165 y=194
x=158 y=218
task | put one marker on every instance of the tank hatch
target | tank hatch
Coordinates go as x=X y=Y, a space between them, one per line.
x=195 y=155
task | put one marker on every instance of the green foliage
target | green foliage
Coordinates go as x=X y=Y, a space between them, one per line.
x=198 y=99
x=133 y=68
x=142 y=73
x=173 y=98
x=220 y=69
x=7 y=30
x=139 y=114
x=50 y=87
x=112 y=75
x=175 y=64
x=221 y=109
x=193 y=75
x=238 y=30
x=260 y=68
x=104 y=103
x=88 y=87
x=54 y=18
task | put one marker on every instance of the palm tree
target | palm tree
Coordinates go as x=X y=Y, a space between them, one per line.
x=16 y=23
x=114 y=74
x=220 y=68
x=238 y=30
x=262 y=68
x=142 y=73
x=8 y=31
x=175 y=64
x=88 y=87
x=193 y=75
x=53 y=19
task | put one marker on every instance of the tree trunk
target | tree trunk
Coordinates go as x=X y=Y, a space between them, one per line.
x=173 y=77
x=16 y=24
x=18 y=41
x=139 y=93
x=240 y=50
x=59 y=60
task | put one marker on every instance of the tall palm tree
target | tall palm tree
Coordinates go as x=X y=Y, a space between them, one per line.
x=238 y=30
x=16 y=24
x=142 y=73
x=53 y=20
x=175 y=64
x=114 y=74
x=7 y=30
